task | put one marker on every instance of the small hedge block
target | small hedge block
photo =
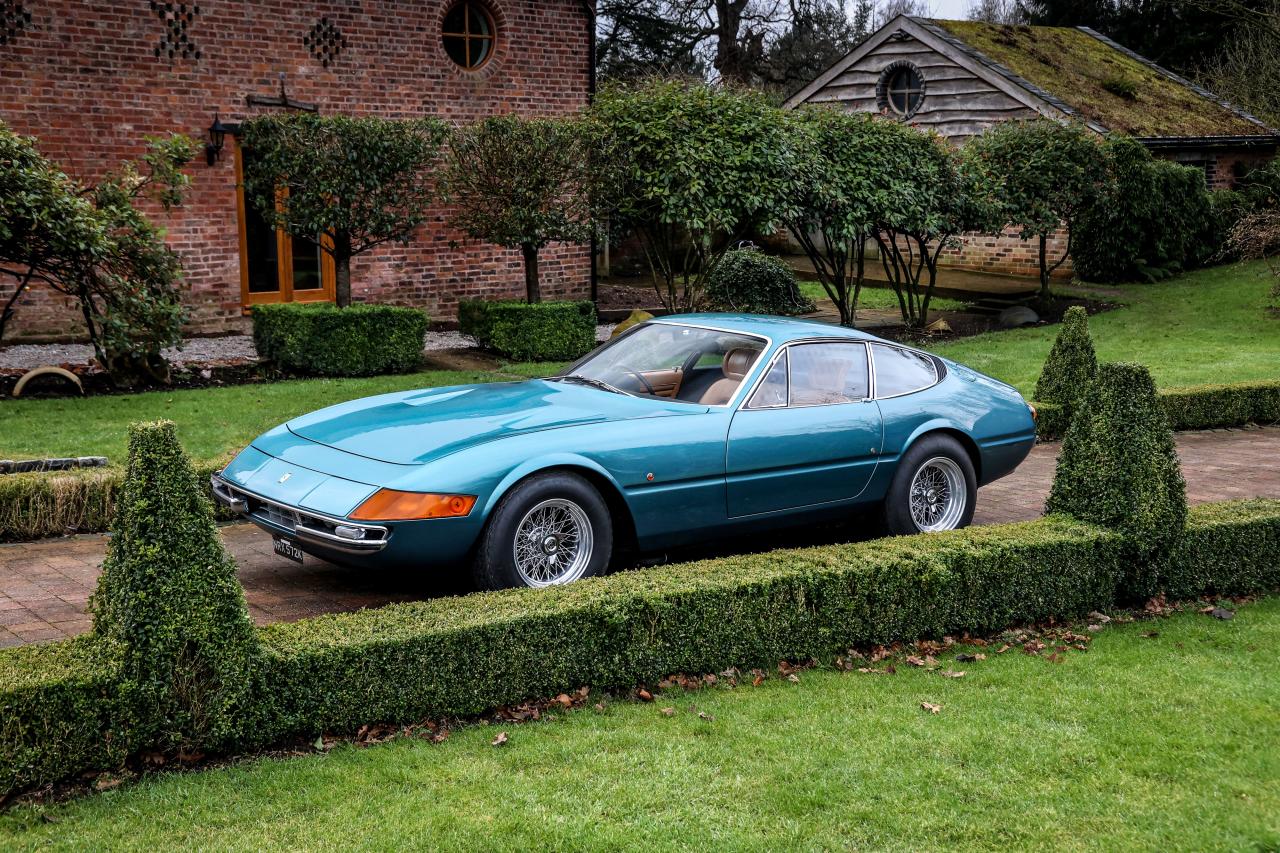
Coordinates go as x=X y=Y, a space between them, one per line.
x=538 y=331
x=321 y=339
x=1119 y=465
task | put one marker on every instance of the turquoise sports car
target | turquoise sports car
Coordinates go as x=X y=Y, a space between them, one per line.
x=679 y=430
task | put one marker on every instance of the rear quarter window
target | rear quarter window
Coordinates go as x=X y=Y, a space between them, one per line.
x=900 y=371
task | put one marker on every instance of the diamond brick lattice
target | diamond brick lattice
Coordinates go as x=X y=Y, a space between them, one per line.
x=177 y=19
x=14 y=18
x=326 y=41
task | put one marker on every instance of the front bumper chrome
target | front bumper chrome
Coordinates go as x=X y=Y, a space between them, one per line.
x=304 y=525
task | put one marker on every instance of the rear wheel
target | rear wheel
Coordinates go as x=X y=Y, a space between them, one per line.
x=934 y=489
x=550 y=529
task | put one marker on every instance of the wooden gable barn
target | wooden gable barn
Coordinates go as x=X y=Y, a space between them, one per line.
x=960 y=77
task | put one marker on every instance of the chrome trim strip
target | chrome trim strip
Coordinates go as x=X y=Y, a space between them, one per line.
x=225 y=491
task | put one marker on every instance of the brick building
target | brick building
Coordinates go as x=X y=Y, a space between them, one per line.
x=959 y=77
x=91 y=79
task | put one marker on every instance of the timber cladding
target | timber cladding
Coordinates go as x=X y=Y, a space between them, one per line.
x=91 y=80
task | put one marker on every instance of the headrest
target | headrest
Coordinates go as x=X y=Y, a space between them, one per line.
x=737 y=362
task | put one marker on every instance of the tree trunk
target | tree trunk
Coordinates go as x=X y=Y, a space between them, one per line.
x=342 y=269
x=1044 y=269
x=532 y=292
x=13 y=300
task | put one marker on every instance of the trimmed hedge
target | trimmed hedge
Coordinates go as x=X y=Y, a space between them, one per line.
x=460 y=656
x=524 y=331
x=750 y=281
x=322 y=339
x=1119 y=465
x=33 y=506
x=1191 y=408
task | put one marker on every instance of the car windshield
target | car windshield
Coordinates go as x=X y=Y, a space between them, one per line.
x=686 y=363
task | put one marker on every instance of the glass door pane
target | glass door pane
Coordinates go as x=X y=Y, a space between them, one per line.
x=307 y=265
x=262 y=252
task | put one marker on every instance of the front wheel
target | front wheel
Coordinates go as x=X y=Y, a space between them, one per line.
x=550 y=529
x=934 y=489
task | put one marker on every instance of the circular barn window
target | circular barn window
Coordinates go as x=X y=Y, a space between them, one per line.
x=469 y=34
x=901 y=89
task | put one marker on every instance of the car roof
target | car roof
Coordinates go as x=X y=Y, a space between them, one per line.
x=779 y=329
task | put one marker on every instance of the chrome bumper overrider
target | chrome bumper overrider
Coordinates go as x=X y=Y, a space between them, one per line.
x=308 y=527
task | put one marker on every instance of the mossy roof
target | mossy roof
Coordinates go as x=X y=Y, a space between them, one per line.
x=1101 y=81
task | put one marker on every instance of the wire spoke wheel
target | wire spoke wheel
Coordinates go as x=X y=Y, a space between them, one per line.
x=938 y=495
x=553 y=543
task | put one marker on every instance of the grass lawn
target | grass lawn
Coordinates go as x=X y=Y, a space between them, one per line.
x=1207 y=326
x=211 y=421
x=1149 y=741
x=879 y=298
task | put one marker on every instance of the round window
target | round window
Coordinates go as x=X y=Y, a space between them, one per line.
x=469 y=34
x=901 y=89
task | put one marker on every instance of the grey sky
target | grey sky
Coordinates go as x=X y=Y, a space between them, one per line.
x=955 y=9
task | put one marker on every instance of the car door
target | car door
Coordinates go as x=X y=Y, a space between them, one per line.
x=807 y=435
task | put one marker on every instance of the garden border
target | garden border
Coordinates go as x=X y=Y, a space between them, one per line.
x=62 y=712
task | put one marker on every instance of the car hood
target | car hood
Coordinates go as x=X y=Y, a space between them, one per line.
x=416 y=427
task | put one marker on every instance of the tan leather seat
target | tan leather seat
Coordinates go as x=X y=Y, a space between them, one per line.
x=736 y=364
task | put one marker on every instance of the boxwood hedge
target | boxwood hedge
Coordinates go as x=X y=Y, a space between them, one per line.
x=463 y=655
x=321 y=339
x=1191 y=408
x=538 y=331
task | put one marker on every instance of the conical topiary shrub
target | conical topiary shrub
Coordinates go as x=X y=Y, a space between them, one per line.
x=1119 y=465
x=168 y=606
x=1071 y=364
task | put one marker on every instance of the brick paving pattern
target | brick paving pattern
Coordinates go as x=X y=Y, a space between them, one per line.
x=45 y=586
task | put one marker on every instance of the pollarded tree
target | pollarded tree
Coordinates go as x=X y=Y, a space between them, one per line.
x=349 y=183
x=1045 y=174
x=697 y=166
x=832 y=206
x=523 y=183
x=91 y=242
x=923 y=201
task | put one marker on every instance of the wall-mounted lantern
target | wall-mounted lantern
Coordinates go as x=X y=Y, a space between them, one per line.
x=217 y=136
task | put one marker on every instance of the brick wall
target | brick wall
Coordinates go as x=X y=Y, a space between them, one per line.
x=1006 y=253
x=83 y=77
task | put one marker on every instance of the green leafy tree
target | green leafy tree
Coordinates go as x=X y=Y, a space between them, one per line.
x=1071 y=364
x=168 y=607
x=697 y=167
x=921 y=202
x=1119 y=464
x=1044 y=174
x=91 y=242
x=349 y=183
x=523 y=183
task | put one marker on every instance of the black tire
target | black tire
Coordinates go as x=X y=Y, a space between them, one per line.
x=495 y=565
x=927 y=451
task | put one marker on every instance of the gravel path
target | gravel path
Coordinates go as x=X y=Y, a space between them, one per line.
x=197 y=351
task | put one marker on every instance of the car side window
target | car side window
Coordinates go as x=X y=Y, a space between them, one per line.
x=827 y=373
x=900 y=371
x=772 y=392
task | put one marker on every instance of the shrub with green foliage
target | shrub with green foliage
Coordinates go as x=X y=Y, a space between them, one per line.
x=169 y=607
x=1194 y=407
x=748 y=280
x=1154 y=218
x=541 y=331
x=1071 y=364
x=322 y=339
x=1119 y=465
x=463 y=655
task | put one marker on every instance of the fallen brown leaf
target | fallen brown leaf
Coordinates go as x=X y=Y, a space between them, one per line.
x=931 y=707
x=645 y=695
x=946 y=673
x=499 y=740
x=705 y=716
x=668 y=712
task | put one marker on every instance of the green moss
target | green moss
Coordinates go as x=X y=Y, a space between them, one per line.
x=1076 y=68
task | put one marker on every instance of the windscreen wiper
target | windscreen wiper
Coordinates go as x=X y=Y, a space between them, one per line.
x=587 y=380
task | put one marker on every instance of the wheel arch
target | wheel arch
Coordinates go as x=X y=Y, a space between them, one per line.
x=624 y=527
x=963 y=438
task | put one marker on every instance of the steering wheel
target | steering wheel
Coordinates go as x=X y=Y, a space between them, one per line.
x=648 y=386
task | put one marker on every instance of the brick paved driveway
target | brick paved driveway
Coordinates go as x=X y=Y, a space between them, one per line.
x=44 y=586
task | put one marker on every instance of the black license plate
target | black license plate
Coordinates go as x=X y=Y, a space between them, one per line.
x=285 y=548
